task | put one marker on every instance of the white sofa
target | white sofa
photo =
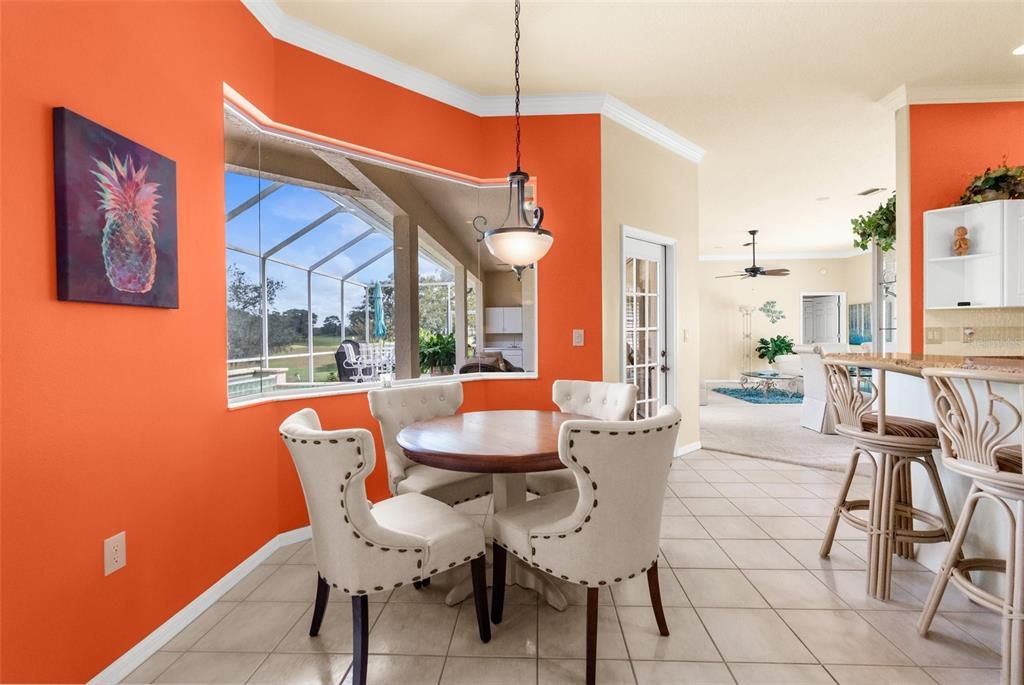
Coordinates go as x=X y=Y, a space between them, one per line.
x=815 y=413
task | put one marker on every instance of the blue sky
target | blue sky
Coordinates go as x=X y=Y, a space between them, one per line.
x=282 y=213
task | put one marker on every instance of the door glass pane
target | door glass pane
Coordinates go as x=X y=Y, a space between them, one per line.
x=652 y=311
x=630 y=275
x=641 y=347
x=641 y=276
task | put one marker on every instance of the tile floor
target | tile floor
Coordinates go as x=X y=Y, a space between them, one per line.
x=747 y=599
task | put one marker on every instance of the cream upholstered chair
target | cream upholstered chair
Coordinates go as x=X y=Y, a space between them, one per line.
x=362 y=550
x=814 y=411
x=607 y=529
x=891 y=444
x=981 y=440
x=396 y=408
x=605 y=401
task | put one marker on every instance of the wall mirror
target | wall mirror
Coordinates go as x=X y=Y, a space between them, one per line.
x=344 y=270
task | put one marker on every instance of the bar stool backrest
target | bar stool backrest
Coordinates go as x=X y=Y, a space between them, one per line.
x=978 y=427
x=845 y=394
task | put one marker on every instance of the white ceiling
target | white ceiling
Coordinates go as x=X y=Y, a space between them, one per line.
x=782 y=96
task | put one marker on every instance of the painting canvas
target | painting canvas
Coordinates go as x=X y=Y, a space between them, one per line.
x=117 y=219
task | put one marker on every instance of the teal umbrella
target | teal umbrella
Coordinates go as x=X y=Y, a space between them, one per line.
x=379 y=329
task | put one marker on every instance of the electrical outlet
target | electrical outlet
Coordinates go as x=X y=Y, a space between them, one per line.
x=968 y=335
x=115 y=554
x=577 y=337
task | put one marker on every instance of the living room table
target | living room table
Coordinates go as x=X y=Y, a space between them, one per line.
x=507 y=444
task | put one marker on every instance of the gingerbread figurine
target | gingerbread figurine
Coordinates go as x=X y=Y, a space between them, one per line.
x=961 y=243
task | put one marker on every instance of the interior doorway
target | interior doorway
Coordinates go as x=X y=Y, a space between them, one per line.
x=648 y=314
x=823 y=318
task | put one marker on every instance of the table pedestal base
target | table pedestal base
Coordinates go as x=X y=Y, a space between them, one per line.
x=510 y=490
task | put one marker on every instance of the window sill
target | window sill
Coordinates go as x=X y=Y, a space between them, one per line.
x=361 y=388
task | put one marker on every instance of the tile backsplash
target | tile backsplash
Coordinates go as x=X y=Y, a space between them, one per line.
x=991 y=332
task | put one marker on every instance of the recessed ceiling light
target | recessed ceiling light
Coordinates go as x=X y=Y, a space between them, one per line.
x=822 y=198
x=1019 y=50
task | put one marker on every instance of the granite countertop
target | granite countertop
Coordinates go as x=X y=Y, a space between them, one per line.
x=902 y=362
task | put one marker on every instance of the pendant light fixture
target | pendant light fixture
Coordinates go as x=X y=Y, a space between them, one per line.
x=520 y=241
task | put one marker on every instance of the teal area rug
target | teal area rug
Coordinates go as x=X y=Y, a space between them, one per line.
x=755 y=396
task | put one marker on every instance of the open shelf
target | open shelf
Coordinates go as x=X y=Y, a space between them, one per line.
x=955 y=258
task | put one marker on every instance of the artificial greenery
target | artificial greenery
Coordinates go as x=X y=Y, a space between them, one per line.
x=878 y=226
x=771 y=309
x=1002 y=183
x=770 y=348
x=437 y=351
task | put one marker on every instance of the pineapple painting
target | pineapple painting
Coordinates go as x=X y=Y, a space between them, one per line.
x=117 y=239
x=129 y=248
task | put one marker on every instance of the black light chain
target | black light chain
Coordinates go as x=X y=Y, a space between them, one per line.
x=518 y=130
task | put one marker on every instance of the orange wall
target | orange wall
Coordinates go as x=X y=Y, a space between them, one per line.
x=949 y=146
x=114 y=418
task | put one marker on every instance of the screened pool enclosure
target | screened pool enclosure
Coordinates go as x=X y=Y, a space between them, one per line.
x=307 y=269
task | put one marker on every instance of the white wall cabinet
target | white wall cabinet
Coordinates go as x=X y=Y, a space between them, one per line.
x=503 y=320
x=991 y=274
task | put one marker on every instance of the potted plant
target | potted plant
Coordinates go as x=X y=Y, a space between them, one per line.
x=770 y=348
x=1002 y=183
x=878 y=226
x=437 y=353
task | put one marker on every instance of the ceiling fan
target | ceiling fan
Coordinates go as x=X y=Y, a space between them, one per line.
x=753 y=271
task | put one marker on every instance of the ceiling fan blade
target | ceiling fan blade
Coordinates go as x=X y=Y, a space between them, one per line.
x=775 y=272
x=747 y=244
x=732 y=276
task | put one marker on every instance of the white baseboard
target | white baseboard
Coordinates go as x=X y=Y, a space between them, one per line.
x=686 y=449
x=133 y=658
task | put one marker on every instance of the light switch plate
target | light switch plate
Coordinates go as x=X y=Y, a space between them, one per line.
x=577 y=337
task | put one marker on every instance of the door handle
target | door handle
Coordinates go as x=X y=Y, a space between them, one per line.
x=664 y=369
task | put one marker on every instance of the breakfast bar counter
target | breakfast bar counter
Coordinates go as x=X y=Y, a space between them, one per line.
x=907 y=394
x=912 y=364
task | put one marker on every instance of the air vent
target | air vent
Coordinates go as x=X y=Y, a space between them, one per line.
x=871 y=191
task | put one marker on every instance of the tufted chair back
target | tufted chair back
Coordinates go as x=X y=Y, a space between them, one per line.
x=605 y=401
x=396 y=408
x=353 y=552
x=621 y=469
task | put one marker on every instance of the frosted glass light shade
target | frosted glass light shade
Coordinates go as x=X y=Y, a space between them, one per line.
x=519 y=246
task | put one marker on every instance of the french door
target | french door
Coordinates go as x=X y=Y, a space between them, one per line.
x=645 y=356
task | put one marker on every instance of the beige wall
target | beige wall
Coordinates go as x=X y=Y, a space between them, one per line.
x=647 y=187
x=502 y=289
x=904 y=315
x=721 y=351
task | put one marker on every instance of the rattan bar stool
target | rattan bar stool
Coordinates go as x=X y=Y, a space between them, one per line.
x=978 y=430
x=891 y=445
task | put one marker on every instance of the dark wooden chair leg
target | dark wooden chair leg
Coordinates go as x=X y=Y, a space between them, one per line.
x=323 y=591
x=420 y=584
x=592 y=604
x=360 y=638
x=498 y=583
x=478 y=569
x=654 y=586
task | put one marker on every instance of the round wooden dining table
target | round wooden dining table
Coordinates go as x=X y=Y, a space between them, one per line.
x=508 y=444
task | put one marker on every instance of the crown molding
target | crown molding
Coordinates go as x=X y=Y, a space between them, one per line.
x=638 y=122
x=944 y=95
x=745 y=256
x=300 y=33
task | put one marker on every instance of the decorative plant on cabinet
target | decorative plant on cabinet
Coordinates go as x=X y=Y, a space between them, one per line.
x=878 y=226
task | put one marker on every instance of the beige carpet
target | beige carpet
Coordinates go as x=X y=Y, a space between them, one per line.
x=769 y=431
